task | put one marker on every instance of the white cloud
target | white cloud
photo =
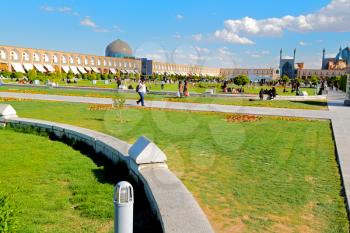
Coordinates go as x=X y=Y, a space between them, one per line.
x=103 y=30
x=65 y=10
x=303 y=43
x=332 y=18
x=201 y=50
x=87 y=22
x=179 y=17
x=116 y=28
x=47 y=8
x=197 y=37
x=258 y=54
x=177 y=36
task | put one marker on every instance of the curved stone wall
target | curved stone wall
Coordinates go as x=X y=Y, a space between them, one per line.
x=172 y=203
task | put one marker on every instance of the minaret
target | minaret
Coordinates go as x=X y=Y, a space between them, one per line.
x=340 y=55
x=295 y=51
x=281 y=54
x=324 y=54
x=323 y=58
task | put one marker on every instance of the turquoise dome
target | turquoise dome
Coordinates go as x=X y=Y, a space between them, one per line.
x=344 y=54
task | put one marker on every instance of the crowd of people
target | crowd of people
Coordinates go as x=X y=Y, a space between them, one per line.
x=271 y=93
x=141 y=89
x=183 y=89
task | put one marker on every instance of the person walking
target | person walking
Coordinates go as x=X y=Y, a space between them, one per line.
x=186 y=92
x=274 y=92
x=261 y=94
x=141 y=90
x=162 y=84
x=180 y=89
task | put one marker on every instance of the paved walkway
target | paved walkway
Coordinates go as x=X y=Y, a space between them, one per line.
x=178 y=105
x=338 y=114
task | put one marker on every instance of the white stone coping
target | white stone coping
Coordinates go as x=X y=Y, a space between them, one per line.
x=7 y=111
x=174 y=205
x=146 y=152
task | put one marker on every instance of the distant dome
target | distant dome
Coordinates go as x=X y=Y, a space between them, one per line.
x=118 y=48
x=344 y=54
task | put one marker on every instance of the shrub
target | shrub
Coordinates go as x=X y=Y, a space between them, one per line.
x=111 y=76
x=17 y=75
x=241 y=80
x=342 y=83
x=70 y=75
x=104 y=76
x=6 y=74
x=85 y=76
x=79 y=76
x=8 y=222
x=91 y=76
x=32 y=75
x=130 y=87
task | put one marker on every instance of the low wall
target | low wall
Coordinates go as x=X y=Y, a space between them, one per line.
x=173 y=204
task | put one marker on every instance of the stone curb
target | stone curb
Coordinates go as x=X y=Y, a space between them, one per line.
x=170 y=200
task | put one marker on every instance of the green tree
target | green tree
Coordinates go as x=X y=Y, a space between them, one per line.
x=32 y=75
x=342 y=82
x=79 y=76
x=285 y=79
x=6 y=74
x=111 y=76
x=70 y=75
x=92 y=76
x=241 y=80
x=314 y=80
x=118 y=103
x=17 y=75
x=104 y=76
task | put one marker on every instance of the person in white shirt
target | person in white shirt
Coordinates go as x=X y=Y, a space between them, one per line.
x=141 y=90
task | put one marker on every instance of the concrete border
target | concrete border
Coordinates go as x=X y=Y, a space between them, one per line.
x=170 y=200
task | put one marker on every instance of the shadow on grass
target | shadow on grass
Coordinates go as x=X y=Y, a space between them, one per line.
x=109 y=173
x=311 y=102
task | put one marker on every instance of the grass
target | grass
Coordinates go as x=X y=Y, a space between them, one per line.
x=174 y=87
x=312 y=105
x=271 y=175
x=53 y=186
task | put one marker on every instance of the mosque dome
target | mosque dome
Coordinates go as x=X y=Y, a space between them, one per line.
x=118 y=48
x=344 y=54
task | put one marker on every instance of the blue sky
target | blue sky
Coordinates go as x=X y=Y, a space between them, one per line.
x=220 y=33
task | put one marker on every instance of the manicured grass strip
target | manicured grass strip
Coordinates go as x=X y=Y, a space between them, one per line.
x=313 y=105
x=270 y=175
x=197 y=88
x=52 y=186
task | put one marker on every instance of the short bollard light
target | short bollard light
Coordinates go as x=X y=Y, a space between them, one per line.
x=123 y=207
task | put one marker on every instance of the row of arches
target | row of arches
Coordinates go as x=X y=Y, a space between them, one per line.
x=27 y=56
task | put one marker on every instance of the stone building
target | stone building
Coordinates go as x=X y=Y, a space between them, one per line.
x=287 y=65
x=24 y=59
x=340 y=62
x=268 y=73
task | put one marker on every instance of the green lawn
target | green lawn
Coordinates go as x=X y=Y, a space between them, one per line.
x=53 y=187
x=271 y=175
x=313 y=105
x=197 y=88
